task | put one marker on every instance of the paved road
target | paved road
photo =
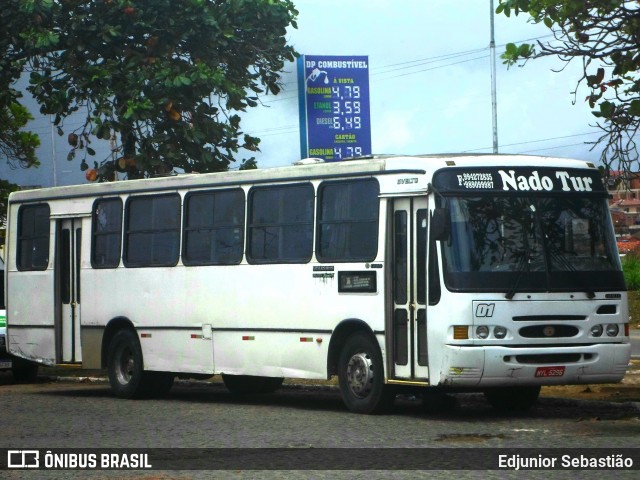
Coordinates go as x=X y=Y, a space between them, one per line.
x=198 y=415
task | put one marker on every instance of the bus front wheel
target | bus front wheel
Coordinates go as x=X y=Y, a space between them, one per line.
x=361 y=376
x=125 y=368
x=512 y=398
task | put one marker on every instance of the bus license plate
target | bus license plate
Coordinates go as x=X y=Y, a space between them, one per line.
x=5 y=364
x=549 y=371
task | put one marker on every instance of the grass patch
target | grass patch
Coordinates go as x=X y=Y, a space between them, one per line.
x=634 y=308
x=631 y=270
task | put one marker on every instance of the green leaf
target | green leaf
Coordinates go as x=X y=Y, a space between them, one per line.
x=634 y=108
x=181 y=80
x=525 y=50
x=606 y=109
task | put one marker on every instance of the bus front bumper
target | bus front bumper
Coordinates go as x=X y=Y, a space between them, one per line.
x=492 y=366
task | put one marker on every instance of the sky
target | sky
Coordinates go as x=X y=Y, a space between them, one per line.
x=430 y=88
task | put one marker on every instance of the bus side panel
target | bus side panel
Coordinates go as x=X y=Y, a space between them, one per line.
x=30 y=317
x=280 y=321
x=184 y=350
x=269 y=320
x=270 y=354
x=171 y=328
x=34 y=344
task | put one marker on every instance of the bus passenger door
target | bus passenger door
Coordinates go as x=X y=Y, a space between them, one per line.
x=68 y=248
x=408 y=290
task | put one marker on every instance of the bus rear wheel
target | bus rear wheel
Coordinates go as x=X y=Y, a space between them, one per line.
x=248 y=384
x=361 y=376
x=125 y=367
x=516 y=399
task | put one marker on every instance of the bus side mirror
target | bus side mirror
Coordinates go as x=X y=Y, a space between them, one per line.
x=440 y=224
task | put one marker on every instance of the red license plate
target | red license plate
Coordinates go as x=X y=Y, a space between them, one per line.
x=549 y=371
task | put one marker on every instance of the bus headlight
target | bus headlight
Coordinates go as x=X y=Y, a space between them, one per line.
x=499 y=332
x=612 y=329
x=482 y=331
x=596 y=330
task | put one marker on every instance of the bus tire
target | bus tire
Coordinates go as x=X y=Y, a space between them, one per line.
x=361 y=376
x=125 y=367
x=250 y=384
x=517 y=399
x=24 y=371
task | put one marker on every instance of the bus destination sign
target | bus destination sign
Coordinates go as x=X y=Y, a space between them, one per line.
x=334 y=107
x=518 y=180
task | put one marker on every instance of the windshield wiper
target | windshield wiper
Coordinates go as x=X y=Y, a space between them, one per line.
x=559 y=257
x=521 y=269
x=524 y=262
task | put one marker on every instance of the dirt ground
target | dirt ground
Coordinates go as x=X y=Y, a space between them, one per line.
x=626 y=391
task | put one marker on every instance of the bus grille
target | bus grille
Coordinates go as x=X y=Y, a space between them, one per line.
x=549 y=331
x=550 y=358
x=548 y=318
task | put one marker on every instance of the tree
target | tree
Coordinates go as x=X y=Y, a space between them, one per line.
x=163 y=80
x=605 y=36
x=5 y=189
x=16 y=145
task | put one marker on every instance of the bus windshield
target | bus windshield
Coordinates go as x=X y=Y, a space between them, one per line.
x=522 y=244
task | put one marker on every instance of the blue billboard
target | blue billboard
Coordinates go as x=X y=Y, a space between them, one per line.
x=334 y=107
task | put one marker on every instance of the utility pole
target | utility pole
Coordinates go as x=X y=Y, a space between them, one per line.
x=494 y=100
x=53 y=152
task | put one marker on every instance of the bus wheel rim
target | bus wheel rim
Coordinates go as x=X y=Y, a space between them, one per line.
x=360 y=375
x=125 y=366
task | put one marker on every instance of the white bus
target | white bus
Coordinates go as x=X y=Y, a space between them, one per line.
x=487 y=273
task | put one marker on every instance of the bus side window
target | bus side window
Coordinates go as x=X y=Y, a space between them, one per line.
x=213 y=228
x=434 y=271
x=347 y=228
x=33 y=237
x=152 y=233
x=106 y=233
x=280 y=225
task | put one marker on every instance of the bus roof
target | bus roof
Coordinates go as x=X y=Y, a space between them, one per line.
x=372 y=165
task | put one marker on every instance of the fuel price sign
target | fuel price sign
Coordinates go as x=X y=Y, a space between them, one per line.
x=334 y=107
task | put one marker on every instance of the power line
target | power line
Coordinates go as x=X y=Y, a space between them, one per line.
x=417 y=63
x=552 y=148
x=435 y=68
x=533 y=141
